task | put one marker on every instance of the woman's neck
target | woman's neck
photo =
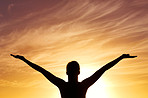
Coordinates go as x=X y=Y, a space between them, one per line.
x=73 y=79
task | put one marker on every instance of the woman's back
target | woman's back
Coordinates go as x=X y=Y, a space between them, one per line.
x=73 y=90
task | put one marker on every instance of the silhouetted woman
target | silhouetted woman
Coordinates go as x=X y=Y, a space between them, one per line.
x=73 y=88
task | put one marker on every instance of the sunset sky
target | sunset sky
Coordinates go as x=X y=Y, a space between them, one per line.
x=52 y=33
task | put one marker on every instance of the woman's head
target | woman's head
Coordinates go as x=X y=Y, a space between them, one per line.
x=73 y=68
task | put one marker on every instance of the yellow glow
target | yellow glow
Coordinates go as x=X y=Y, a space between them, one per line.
x=98 y=89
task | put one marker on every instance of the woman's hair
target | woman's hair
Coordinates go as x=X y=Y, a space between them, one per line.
x=73 y=68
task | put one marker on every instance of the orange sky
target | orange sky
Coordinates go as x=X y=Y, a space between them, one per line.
x=52 y=33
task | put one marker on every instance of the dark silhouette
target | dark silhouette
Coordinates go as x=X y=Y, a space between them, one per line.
x=73 y=88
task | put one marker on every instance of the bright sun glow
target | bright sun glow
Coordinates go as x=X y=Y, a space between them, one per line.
x=98 y=89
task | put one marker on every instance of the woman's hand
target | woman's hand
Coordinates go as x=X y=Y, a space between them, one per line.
x=17 y=56
x=127 y=56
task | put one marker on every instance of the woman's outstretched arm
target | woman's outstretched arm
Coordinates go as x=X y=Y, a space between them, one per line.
x=55 y=80
x=92 y=79
x=112 y=63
